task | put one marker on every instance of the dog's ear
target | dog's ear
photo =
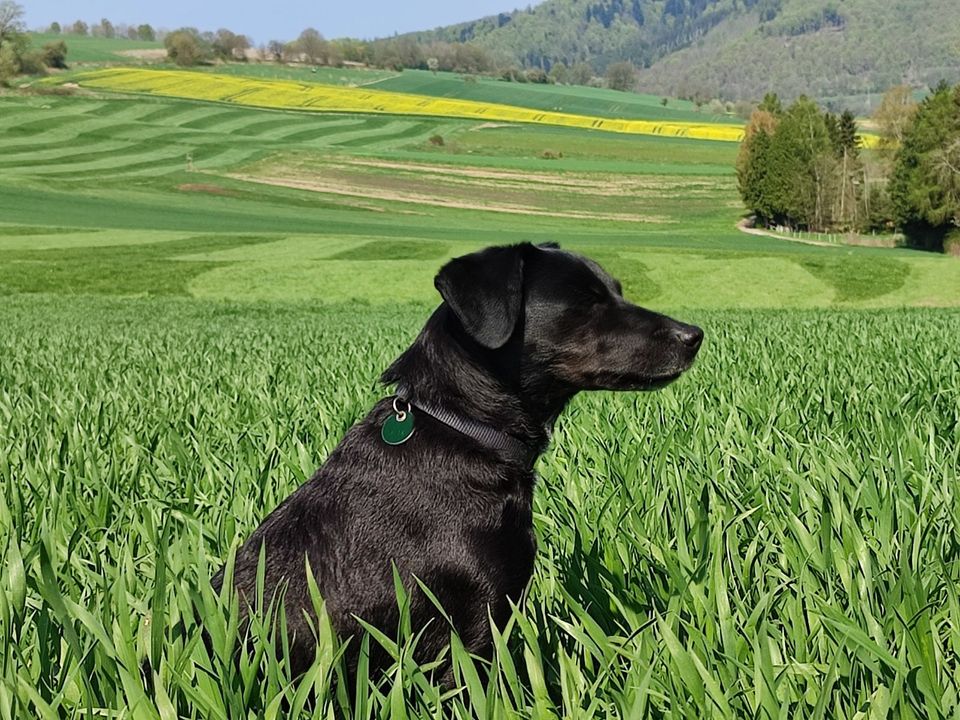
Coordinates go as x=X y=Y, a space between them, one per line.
x=485 y=291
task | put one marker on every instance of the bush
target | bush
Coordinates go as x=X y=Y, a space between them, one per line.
x=32 y=63
x=52 y=90
x=716 y=107
x=537 y=75
x=437 y=140
x=186 y=47
x=621 y=76
x=551 y=155
x=9 y=65
x=55 y=55
x=513 y=74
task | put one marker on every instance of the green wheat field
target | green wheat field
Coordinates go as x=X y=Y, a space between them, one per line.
x=196 y=302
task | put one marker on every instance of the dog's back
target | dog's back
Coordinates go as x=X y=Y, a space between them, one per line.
x=440 y=510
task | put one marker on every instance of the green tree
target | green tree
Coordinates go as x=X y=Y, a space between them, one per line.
x=351 y=49
x=771 y=104
x=276 y=49
x=849 y=183
x=559 y=73
x=227 y=45
x=106 y=29
x=11 y=22
x=312 y=45
x=894 y=115
x=186 y=47
x=924 y=187
x=79 y=27
x=54 y=28
x=800 y=166
x=9 y=64
x=753 y=163
x=849 y=136
x=146 y=33
x=621 y=76
x=581 y=74
x=787 y=167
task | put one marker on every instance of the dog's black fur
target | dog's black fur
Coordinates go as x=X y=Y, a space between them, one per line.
x=521 y=330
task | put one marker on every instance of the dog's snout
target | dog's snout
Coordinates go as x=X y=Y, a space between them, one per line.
x=689 y=335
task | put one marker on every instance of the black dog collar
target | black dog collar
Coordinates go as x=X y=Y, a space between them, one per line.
x=508 y=446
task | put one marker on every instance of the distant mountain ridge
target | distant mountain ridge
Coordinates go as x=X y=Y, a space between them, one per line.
x=734 y=49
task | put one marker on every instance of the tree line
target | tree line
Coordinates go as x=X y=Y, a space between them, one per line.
x=802 y=168
x=189 y=46
x=105 y=29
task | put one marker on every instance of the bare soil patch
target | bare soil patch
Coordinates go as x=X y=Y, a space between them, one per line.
x=145 y=54
x=207 y=188
x=340 y=187
x=598 y=184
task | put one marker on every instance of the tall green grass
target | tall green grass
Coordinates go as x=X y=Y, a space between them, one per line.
x=777 y=535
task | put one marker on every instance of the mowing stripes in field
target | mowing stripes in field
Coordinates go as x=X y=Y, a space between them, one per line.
x=410 y=131
x=289 y=95
x=76 y=139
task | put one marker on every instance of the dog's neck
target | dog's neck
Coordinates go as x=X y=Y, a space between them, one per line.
x=445 y=368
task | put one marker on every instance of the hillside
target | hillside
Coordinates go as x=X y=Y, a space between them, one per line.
x=734 y=49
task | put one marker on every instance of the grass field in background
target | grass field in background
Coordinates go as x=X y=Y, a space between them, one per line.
x=661 y=211
x=82 y=49
x=317 y=97
x=196 y=301
x=303 y=73
x=575 y=99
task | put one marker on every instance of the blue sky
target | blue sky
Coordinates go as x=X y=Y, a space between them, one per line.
x=272 y=19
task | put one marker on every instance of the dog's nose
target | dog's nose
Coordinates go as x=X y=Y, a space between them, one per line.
x=689 y=335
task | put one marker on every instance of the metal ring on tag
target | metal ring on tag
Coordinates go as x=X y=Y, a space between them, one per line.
x=401 y=414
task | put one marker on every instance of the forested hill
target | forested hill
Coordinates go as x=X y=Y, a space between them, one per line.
x=734 y=49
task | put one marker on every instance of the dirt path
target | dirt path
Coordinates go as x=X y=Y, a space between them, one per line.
x=744 y=227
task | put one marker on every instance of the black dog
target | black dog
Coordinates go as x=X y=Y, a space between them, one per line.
x=438 y=480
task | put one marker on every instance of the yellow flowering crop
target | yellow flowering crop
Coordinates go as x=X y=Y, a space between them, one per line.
x=290 y=95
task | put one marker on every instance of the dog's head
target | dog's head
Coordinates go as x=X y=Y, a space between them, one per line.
x=561 y=315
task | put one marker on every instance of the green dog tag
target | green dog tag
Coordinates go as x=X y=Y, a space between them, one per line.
x=398 y=428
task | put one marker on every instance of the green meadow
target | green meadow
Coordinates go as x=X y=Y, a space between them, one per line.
x=575 y=99
x=196 y=302
x=303 y=73
x=88 y=49
x=260 y=204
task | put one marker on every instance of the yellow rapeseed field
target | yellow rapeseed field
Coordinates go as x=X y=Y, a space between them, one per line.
x=290 y=95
